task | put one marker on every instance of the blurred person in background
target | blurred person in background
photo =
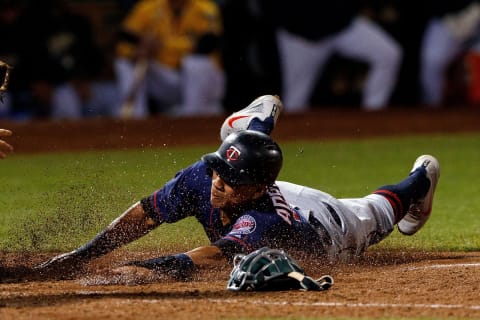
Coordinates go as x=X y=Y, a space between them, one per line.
x=451 y=28
x=310 y=32
x=60 y=61
x=249 y=51
x=167 y=59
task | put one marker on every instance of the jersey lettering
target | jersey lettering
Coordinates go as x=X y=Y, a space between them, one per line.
x=281 y=206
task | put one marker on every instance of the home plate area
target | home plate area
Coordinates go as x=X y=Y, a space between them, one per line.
x=383 y=284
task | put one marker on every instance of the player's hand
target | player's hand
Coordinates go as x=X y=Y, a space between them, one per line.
x=62 y=265
x=5 y=148
x=135 y=275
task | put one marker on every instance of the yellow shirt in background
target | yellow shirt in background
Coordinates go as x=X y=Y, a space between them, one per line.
x=175 y=37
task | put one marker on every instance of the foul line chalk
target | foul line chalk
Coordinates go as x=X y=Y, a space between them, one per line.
x=440 y=266
x=330 y=304
x=351 y=305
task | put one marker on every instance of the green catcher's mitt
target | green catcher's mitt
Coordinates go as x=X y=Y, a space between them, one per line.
x=271 y=269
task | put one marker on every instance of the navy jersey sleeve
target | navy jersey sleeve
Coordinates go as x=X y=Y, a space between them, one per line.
x=246 y=234
x=187 y=194
x=254 y=230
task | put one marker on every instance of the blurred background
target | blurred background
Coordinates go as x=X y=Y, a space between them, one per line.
x=80 y=59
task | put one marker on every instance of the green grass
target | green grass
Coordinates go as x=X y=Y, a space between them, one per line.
x=56 y=202
x=354 y=168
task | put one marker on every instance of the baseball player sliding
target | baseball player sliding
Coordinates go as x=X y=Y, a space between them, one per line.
x=234 y=195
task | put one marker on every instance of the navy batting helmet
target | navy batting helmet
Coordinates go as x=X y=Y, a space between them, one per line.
x=246 y=157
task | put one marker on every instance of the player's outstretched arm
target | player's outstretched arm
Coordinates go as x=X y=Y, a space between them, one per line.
x=131 y=225
x=180 y=266
x=208 y=256
x=5 y=147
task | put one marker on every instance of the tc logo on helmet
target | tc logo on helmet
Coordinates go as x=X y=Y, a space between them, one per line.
x=232 y=154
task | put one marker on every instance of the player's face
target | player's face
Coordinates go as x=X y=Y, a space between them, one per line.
x=224 y=196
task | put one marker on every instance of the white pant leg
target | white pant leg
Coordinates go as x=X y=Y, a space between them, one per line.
x=352 y=224
x=301 y=61
x=103 y=98
x=66 y=103
x=203 y=87
x=125 y=76
x=164 y=84
x=376 y=218
x=439 y=47
x=366 y=41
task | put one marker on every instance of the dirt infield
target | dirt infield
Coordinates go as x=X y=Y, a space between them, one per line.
x=383 y=284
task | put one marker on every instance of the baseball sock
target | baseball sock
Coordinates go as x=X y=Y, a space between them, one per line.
x=406 y=192
x=266 y=126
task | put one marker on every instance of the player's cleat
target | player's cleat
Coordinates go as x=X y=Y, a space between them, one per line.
x=419 y=212
x=260 y=115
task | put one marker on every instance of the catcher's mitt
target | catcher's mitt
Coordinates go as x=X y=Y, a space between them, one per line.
x=4 y=68
x=270 y=269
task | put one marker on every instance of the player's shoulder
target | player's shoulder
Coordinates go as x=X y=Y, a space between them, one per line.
x=195 y=170
x=253 y=221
